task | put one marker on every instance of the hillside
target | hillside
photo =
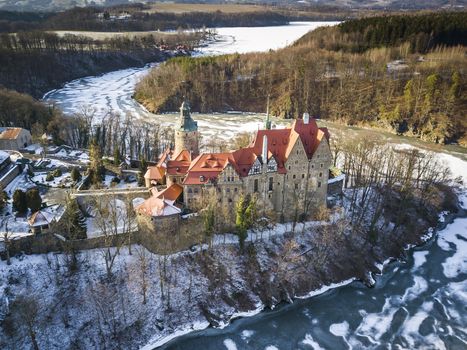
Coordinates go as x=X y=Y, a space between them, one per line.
x=47 y=5
x=400 y=73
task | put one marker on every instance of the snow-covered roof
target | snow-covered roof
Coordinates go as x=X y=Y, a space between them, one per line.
x=46 y=216
x=4 y=156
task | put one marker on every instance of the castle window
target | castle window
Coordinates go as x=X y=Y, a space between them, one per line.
x=294 y=176
x=271 y=183
x=235 y=189
x=312 y=166
x=320 y=174
x=230 y=200
x=255 y=186
x=289 y=167
x=303 y=176
x=228 y=189
x=321 y=165
x=317 y=156
x=190 y=190
x=196 y=190
x=296 y=186
x=319 y=184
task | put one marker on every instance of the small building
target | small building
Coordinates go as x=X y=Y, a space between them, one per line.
x=14 y=138
x=43 y=219
x=160 y=213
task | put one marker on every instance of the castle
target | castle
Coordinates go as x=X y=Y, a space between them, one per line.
x=287 y=168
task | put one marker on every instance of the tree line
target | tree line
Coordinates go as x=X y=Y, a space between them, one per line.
x=136 y=18
x=397 y=88
x=49 y=41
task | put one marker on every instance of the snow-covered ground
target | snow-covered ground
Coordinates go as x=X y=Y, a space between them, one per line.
x=60 y=181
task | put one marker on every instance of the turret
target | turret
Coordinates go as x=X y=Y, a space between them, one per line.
x=186 y=132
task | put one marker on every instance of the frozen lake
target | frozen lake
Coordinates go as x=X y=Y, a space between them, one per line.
x=112 y=92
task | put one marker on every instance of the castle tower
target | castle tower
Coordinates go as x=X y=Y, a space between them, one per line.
x=186 y=132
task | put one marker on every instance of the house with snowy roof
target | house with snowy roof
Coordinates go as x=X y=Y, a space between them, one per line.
x=287 y=169
x=14 y=138
x=43 y=219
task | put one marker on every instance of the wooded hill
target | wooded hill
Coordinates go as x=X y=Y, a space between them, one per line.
x=401 y=73
x=36 y=62
x=170 y=16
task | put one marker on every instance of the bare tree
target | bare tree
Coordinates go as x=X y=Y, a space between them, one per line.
x=24 y=314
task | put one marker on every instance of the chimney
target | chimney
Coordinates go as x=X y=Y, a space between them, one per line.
x=306 y=118
x=265 y=149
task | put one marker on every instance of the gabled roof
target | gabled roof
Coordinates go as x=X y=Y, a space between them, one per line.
x=280 y=143
x=10 y=133
x=155 y=173
x=207 y=166
x=157 y=207
x=46 y=216
x=170 y=193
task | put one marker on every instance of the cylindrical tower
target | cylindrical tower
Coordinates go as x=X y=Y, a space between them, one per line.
x=186 y=132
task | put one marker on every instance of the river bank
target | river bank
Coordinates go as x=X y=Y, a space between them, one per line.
x=191 y=289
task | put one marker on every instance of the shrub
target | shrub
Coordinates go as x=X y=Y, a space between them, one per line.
x=19 y=202
x=49 y=177
x=57 y=172
x=75 y=175
x=33 y=199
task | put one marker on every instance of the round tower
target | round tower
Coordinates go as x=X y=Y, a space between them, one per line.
x=186 y=132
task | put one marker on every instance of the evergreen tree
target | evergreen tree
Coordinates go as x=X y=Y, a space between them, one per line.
x=75 y=175
x=3 y=198
x=96 y=165
x=77 y=227
x=117 y=156
x=33 y=199
x=241 y=220
x=19 y=202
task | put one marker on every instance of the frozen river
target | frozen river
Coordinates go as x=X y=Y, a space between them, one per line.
x=417 y=304
x=112 y=92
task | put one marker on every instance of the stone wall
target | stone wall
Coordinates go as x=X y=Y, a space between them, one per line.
x=335 y=186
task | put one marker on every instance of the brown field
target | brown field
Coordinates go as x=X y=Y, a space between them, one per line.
x=182 y=8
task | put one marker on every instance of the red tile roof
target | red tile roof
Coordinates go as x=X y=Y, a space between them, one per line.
x=207 y=166
x=171 y=193
x=155 y=173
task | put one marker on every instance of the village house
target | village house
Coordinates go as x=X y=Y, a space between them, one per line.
x=287 y=169
x=42 y=220
x=14 y=139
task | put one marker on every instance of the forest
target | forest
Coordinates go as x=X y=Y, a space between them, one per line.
x=143 y=17
x=36 y=62
x=133 y=17
x=405 y=74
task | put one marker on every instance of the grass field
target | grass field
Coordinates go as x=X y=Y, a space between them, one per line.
x=182 y=8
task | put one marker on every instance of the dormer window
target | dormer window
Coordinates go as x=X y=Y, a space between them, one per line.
x=201 y=178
